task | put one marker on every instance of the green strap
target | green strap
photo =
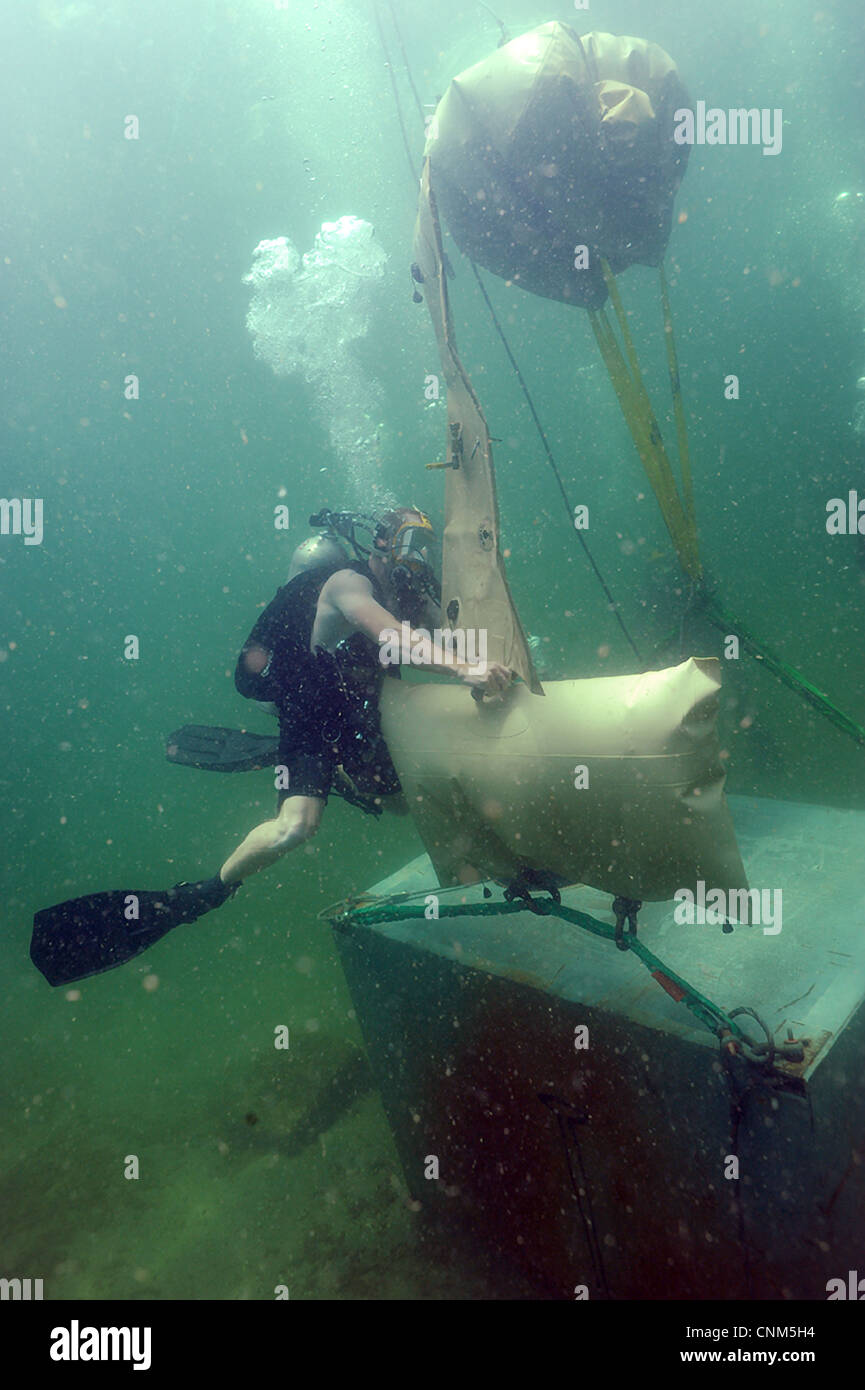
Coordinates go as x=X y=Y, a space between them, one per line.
x=788 y=674
x=709 y=1014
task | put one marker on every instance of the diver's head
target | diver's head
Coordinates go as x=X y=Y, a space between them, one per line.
x=404 y=558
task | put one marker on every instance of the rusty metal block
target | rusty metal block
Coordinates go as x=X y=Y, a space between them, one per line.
x=607 y=1167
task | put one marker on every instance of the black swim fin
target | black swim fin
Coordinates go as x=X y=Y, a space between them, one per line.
x=85 y=936
x=214 y=749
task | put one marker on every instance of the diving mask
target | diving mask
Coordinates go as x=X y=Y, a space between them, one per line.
x=412 y=551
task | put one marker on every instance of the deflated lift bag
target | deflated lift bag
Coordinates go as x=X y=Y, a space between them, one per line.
x=494 y=785
x=556 y=141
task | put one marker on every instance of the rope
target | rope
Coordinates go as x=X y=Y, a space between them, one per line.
x=388 y=64
x=567 y=1118
x=614 y=607
x=502 y=30
x=710 y=1015
x=640 y=417
x=788 y=675
x=417 y=101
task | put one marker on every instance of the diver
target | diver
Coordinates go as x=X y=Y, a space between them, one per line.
x=315 y=655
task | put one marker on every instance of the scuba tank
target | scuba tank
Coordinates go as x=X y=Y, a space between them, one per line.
x=316 y=552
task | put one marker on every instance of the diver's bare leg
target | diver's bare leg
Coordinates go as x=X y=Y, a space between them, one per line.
x=297 y=820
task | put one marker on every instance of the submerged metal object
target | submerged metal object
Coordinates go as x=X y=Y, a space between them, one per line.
x=603 y=1160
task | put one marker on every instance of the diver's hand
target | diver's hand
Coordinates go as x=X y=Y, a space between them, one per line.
x=490 y=678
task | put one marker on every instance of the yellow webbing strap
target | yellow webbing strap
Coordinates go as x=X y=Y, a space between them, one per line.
x=628 y=399
x=627 y=381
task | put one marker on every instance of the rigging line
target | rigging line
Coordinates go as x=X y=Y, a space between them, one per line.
x=417 y=101
x=502 y=30
x=614 y=607
x=389 y=65
x=567 y=1119
x=569 y=1126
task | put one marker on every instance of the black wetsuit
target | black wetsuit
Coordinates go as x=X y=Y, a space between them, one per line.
x=327 y=702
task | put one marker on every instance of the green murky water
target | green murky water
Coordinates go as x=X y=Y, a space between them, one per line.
x=259 y=1167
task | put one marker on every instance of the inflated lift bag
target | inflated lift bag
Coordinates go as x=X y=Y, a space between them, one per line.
x=556 y=141
x=493 y=785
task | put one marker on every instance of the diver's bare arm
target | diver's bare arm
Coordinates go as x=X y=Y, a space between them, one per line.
x=352 y=595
